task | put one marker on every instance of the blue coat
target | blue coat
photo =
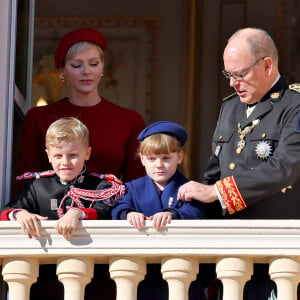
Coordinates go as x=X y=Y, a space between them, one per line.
x=143 y=196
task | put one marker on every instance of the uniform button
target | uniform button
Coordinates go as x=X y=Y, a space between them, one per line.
x=232 y=166
x=238 y=150
x=263 y=135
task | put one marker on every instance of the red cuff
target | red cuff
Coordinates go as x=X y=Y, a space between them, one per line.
x=231 y=195
x=4 y=215
x=91 y=213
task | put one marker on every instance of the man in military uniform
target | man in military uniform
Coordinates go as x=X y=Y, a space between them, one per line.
x=254 y=171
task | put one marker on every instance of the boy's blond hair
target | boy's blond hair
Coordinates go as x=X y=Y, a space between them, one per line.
x=66 y=129
x=159 y=143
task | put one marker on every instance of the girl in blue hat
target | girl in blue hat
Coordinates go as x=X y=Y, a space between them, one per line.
x=154 y=196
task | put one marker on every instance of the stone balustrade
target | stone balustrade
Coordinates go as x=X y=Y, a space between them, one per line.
x=233 y=245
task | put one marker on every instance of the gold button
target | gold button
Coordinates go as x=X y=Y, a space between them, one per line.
x=220 y=137
x=232 y=166
x=263 y=135
x=238 y=150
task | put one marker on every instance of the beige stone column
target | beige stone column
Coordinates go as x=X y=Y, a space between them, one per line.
x=127 y=273
x=179 y=272
x=75 y=273
x=234 y=272
x=285 y=273
x=20 y=274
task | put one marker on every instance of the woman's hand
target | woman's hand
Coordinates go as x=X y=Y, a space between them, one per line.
x=29 y=222
x=67 y=224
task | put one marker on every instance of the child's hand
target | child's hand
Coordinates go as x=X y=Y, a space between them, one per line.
x=29 y=222
x=136 y=219
x=67 y=224
x=160 y=219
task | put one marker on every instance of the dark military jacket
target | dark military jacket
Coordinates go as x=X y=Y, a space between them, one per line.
x=261 y=180
x=43 y=195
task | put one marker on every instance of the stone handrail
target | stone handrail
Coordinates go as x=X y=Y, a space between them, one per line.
x=234 y=245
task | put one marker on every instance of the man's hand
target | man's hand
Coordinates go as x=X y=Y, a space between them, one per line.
x=160 y=219
x=67 y=224
x=29 y=222
x=198 y=191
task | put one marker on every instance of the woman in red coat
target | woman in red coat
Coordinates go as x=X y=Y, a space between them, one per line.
x=113 y=129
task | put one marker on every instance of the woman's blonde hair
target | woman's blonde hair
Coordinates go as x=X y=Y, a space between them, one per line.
x=66 y=129
x=82 y=46
x=159 y=143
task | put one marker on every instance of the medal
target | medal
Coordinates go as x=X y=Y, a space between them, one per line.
x=170 y=202
x=242 y=134
x=240 y=145
x=263 y=150
x=275 y=95
x=53 y=203
x=81 y=179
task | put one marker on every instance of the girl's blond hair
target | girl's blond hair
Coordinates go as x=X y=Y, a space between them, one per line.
x=159 y=143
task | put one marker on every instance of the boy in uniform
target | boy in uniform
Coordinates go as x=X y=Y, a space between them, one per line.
x=68 y=193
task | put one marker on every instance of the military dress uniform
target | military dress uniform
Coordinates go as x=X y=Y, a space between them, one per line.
x=46 y=195
x=256 y=159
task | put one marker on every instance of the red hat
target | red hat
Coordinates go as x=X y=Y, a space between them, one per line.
x=75 y=36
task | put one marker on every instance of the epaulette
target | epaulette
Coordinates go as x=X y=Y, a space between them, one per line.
x=31 y=175
x=295 y=87
x=229 y=97
x=109 y=177
x=97 y=175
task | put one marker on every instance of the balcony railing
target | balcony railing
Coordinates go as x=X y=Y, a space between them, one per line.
x=234 y=245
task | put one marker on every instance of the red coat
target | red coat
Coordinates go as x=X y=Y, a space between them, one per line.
x=113 y=137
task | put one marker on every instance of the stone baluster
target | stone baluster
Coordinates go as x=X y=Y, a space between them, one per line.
x=75 y=273
x=234 y=272
x=127 y=273
x=179 y=272
x=20 y=274
x=285 y=273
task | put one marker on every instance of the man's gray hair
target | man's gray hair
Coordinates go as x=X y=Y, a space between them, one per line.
x=259 y=42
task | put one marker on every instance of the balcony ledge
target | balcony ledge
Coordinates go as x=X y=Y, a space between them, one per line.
x=206 y=238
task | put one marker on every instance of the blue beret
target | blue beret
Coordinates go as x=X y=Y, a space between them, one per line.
x=166 y=127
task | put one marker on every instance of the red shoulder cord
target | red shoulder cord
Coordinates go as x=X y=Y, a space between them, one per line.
x=117 y=190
